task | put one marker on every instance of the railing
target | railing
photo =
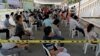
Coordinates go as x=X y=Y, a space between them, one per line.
x=90 y=5
x=91 y=20
x=91 y=17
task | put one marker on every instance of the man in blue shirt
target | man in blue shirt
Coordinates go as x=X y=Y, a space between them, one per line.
x=48 y=21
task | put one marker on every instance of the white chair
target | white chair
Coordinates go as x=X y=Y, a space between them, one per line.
x=97 y=49
x=46 y=50
x=72 y=30
x=87 y=44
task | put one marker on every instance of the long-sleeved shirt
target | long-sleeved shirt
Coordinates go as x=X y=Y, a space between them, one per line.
x=73 y=23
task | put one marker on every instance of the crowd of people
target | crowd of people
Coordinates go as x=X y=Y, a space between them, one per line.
x=49 y=21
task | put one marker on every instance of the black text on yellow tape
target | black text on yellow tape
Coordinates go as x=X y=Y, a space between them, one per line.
x=49 y=41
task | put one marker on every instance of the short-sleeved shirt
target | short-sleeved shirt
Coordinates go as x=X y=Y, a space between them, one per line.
x=47 y=22
x=10 y=45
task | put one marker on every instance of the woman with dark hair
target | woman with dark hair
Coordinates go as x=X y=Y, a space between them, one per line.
x=90 y=33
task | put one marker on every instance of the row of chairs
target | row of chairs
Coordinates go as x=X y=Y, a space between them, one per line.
x=72 y=34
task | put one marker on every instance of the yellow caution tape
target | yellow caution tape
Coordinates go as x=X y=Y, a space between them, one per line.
x=49 y=41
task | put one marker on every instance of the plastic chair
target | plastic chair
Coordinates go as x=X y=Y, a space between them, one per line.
x=46 y=50
x=72 y=30
x=97 y=49
x=87 y=44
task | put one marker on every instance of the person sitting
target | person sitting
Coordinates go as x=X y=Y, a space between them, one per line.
x=11 y=20
x=7 y=23
x=50 y=36
x=12 y=48
x=48 y=21
x=90 y=33
x=55 y=27
x=76 y=24
x=20 y=31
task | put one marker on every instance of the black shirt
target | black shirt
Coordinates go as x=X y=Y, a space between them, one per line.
x=19 y=30
x=49 y=46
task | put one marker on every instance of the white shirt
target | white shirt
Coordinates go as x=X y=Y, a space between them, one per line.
x=2 y=26
x=63 y=54
x=10 y=45
x=73 y=23
x=92 y=35
x=12 y=22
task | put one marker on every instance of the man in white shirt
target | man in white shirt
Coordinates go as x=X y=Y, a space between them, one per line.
x=11 y=20
x=12 y=48
x=75 y=25
x=7 y=23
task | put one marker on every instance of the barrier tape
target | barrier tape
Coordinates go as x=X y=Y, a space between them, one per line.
x=49 y=41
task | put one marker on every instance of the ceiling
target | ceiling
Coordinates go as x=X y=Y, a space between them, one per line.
x=49 y=1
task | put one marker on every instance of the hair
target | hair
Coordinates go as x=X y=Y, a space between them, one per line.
x=90 y=27
x=56 y=21
x=46 y=16
x=26 y=11
x=75 y=17
x=7 y=16
x=18 y=17
x=72 y=15
x=47 y=30
x=12 y=13
x=21 y=13
x=31 y=14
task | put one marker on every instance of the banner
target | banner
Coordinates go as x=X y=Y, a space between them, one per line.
x=14 y=4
